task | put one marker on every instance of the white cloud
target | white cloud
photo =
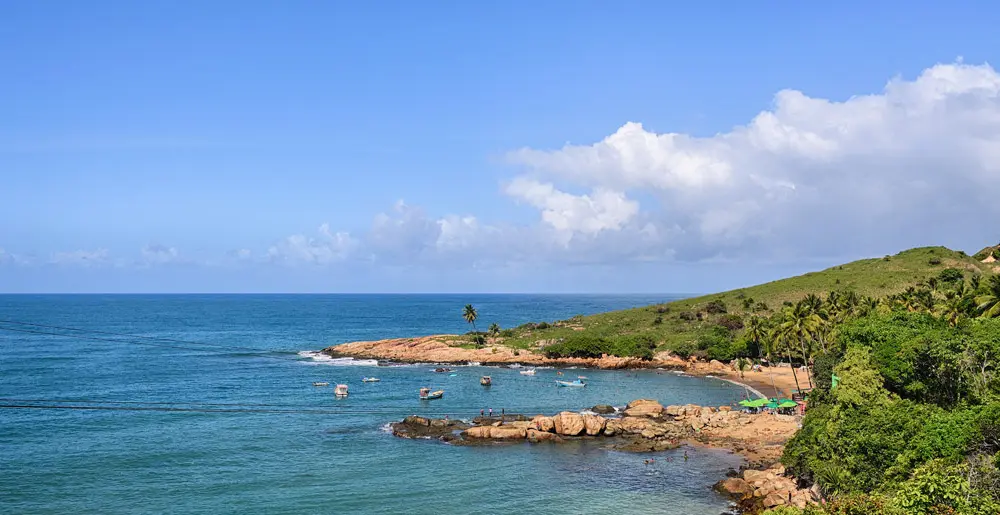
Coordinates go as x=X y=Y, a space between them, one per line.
x=328 y=248
x=84 y=258
x=156 y=254
x=917 y=164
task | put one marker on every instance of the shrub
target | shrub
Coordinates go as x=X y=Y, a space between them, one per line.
x=507 y=333
x=479 y=340
x=887 y=258
x=760 y=306
x=934 y=261
x=658 y=320
x=517 y=352
x=715 y=307
x=731 y=322
x=542 y=325
x=662 y=309
x=950 y=275
x=588 y=346
x=686 y=315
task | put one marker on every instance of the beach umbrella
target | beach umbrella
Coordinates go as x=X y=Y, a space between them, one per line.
x=787 y=403
x=746 y=403
x=757 y=403
x=772 y=404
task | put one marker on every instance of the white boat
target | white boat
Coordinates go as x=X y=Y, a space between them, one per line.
x=529 y=372
x=426 y=394
x=577 y=383
x=370 y=379
x=321 y=383
x=340 y=390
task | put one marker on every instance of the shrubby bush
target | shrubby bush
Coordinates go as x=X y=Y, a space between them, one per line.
x=715 y=307
x=589 y=346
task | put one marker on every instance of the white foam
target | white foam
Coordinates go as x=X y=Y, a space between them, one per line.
x=474 y=364
x=386 y=428
x=318 y=358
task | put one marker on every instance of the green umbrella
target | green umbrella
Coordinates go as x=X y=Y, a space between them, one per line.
x=756 y=403
x=746 y=403
x=787 y=403
x=772 y=404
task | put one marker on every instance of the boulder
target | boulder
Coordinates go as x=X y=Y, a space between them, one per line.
x=633 y=425
x=568 y=423
x=612 y=427
x=644 y=408
x=594 y=424
x=697 y=424
x=508 y=433
x=603 y=409
x=535 y=436
x=674 y=411
x=752 y=476
x=735 y=488
x=479 y=432
x=414 y=420
x=543 y=423
x=773 y=500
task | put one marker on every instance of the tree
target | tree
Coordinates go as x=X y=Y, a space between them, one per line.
x=494 y=330
x=801 y=323
x=778 y=337
x=989 y=303
x=756 y=332
x=470 y=315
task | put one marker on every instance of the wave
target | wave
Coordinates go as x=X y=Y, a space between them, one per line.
x=318 y=358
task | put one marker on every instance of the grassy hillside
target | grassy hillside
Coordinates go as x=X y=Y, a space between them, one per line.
x=680 y=324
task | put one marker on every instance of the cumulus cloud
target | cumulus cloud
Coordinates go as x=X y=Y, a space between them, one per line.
x=328 y=247
x=911 y=165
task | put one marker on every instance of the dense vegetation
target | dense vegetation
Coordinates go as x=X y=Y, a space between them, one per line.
x=904 y=415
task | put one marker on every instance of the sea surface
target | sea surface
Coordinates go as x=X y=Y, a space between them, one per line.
x=206 y=404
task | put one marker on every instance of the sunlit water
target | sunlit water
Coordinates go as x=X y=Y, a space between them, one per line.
x=277 y=444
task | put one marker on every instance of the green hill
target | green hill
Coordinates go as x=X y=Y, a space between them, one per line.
x=682 y=325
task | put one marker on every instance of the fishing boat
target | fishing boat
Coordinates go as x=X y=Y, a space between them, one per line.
x=340 y=390
x=321 y=383
x=370 y=379
x=529 y=372
x=486 y=380
x=577 y=383
x=426 y=394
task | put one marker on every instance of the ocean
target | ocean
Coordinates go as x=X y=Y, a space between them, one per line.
x=205 y=404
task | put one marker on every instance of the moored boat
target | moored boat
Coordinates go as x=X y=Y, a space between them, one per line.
x=426 y=394
x=321 y=383
x=485 y=380
x=370 y=379
x=340 y=390
x=529 y=372
x=577 y=383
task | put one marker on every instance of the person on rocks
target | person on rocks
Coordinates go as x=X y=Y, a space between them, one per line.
x=491 y=412
x=482 y=412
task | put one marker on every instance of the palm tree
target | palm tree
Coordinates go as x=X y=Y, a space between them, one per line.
x=952 y=309
x=470 y=315
x=778 y=336
x=989 y=303
x=494 y=330
x=801 y=323
x=756 y=332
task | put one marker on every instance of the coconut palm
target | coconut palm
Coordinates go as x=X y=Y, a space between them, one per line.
x=989 y=303
x=780 y=340
x=756 y=332
x=470 y=315
x=801 y=324
x=494 y=330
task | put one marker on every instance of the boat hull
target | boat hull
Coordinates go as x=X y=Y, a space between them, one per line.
x=571 y=384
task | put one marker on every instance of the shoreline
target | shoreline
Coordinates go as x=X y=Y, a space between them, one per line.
x=440 y=349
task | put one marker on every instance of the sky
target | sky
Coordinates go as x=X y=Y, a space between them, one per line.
x=449 y=146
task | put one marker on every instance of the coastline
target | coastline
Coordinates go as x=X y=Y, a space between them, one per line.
x=442 y=348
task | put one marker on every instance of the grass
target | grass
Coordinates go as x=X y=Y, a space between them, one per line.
x=680 y=324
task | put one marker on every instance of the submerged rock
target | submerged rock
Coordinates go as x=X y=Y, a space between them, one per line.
x=603 y=409
x=421 y=427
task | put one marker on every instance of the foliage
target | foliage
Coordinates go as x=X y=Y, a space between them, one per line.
x=715 y=307
x=470 y=315
x=588 y=346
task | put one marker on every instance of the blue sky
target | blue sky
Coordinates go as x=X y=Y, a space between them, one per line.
x=452 y=146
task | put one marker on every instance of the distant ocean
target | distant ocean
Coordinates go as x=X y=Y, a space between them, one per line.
x=212 y=410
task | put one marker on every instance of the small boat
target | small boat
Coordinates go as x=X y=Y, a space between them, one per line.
x=370 y=379
x=485 y=380
x=426 y=394
x=529 y=372
x=577 y=383
x=321 y=383
x=340 y=390
x=439 y=370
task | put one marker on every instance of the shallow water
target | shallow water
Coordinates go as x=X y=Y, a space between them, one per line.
x=210 y=428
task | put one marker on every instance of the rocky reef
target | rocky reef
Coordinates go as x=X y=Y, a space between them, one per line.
x=758 y=490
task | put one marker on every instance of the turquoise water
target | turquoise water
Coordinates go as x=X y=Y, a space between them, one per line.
x=219 y=415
